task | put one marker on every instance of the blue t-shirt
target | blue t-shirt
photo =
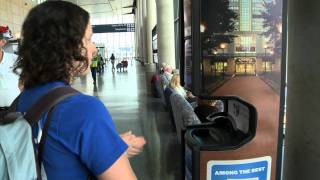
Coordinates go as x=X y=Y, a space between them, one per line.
x=82 y=139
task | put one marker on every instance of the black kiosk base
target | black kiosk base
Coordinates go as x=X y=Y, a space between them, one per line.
x=219 y=150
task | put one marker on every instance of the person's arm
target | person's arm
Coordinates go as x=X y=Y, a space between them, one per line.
x=121 y=168
x=101 y=148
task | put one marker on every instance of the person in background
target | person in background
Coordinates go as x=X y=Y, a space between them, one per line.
x=163 y=65
x=207 y=107
x=166 y=76
x=168 y=72
x=94 y=67
x=9 y=88
x=82 y=140
x=175 y=85
x=112 y=59
x=100 y=63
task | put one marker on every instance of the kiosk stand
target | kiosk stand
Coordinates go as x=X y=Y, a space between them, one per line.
x=219 y=150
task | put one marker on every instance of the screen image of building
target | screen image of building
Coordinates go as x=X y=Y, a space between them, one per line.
x=251 y=52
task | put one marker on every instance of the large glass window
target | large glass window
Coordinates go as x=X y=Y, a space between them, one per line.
x=245 y=44
x=245 y=66
x=267 y=66
x=245 y=15
x=121 y=44
x=257 y=24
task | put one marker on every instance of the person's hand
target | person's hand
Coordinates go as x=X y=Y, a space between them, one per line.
x=134 y=142
x=190 y=95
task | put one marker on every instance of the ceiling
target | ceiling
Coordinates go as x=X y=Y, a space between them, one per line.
x=105 y=8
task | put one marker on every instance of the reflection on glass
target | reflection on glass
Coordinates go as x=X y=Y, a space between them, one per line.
x=241 y=56
x=241 y=37
x=188 y=44
x=188 y=63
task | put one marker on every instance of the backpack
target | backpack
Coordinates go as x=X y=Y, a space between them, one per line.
x=19 y=159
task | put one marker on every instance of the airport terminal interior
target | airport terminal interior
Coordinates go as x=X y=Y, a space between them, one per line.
x=219 y=89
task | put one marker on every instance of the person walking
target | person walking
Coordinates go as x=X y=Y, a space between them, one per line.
x=112 y=59
x=94 y=67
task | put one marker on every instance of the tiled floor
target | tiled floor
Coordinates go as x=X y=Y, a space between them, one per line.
x=125 y=95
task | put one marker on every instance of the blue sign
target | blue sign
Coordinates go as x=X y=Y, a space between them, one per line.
x=248 y=169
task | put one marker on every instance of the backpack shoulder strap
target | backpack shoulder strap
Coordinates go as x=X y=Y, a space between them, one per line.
x=14 y=104
x=47 y=102
x=5 y=118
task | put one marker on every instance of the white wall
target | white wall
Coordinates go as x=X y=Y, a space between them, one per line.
x=13 y=12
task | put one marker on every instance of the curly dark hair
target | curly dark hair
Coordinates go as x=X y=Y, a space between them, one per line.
x=52 y=36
